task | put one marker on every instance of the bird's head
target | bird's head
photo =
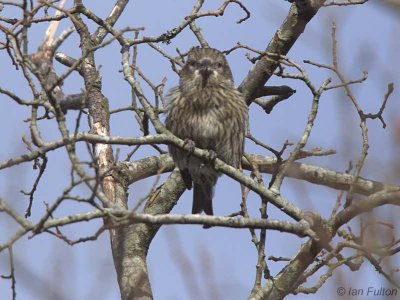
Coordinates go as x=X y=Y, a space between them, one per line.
x=206 y=67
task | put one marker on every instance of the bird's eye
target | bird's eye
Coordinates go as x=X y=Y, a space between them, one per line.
x=192 y=63
x=219 y=65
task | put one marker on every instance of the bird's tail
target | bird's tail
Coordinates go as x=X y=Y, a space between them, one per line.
x=202 y=198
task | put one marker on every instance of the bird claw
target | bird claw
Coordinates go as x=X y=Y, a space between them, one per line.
x=212 y=155
x=189 y=145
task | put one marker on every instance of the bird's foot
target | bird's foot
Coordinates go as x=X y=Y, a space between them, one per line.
x=212 y=155
x=189 y=145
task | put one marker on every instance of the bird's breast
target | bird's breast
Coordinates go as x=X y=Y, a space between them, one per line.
x=208 y=117
x=206 y=127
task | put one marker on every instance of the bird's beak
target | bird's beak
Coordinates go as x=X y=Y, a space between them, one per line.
x=205 y=73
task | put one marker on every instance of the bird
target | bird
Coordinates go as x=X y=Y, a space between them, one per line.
x=206 y=111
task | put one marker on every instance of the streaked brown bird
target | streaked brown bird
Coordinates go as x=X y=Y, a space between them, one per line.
x=207 y=109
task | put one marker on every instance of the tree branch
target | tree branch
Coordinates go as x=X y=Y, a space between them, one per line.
x=281 y=43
